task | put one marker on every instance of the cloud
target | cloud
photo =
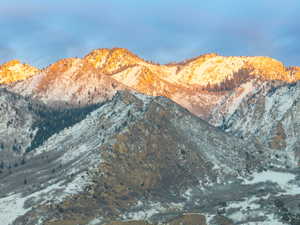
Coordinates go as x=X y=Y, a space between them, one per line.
x=162 y=31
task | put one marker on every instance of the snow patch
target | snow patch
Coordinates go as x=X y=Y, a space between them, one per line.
x=95 y=221
x=144 y=211
x=247 y=204
x=11 y=208
x=188 y=194
x=147 y=212
x=249 y=210
x=283 y=180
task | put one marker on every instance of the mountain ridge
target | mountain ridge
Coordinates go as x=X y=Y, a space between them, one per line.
x=110 y=61
x=197 y=84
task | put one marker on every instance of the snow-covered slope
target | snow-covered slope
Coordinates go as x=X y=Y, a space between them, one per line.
x=130 y=153
x=26 y=123
x=266 y=111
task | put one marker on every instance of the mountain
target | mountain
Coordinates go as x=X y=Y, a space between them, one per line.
x=197 y=84
x=133 y=157
x=210 y=86
x=113 y=139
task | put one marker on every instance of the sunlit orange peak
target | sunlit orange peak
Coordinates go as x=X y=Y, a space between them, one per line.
x=97 y=57
x=14 y=70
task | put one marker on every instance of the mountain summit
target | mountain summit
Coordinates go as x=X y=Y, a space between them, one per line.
x=14 y=70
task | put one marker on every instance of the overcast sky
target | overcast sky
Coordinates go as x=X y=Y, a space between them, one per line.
x=41 y=32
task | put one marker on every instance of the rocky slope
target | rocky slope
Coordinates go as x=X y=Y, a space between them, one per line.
x=270 y=112
x=140 y=159
x=16 y=126
x=69 y=82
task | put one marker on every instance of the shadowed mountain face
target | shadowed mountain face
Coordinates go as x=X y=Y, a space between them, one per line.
x=269 y=113
x=16 y=125
x=130 y=151
x=25 y=123
x=213 y=141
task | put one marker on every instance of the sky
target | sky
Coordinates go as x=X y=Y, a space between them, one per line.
x=42 y=32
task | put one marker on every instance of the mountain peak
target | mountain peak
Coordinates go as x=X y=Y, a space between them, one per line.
x=119 y=59
x=110 y=61
x=14 y=70
x=268 y=68
x=207 y=69
x=97 y=57
x=215 y=69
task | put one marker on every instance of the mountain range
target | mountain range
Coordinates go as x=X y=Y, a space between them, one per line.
x=113 y=139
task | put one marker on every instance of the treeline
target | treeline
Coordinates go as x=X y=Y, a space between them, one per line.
x=53 y=120
x=241 y=76
x=50 y=120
